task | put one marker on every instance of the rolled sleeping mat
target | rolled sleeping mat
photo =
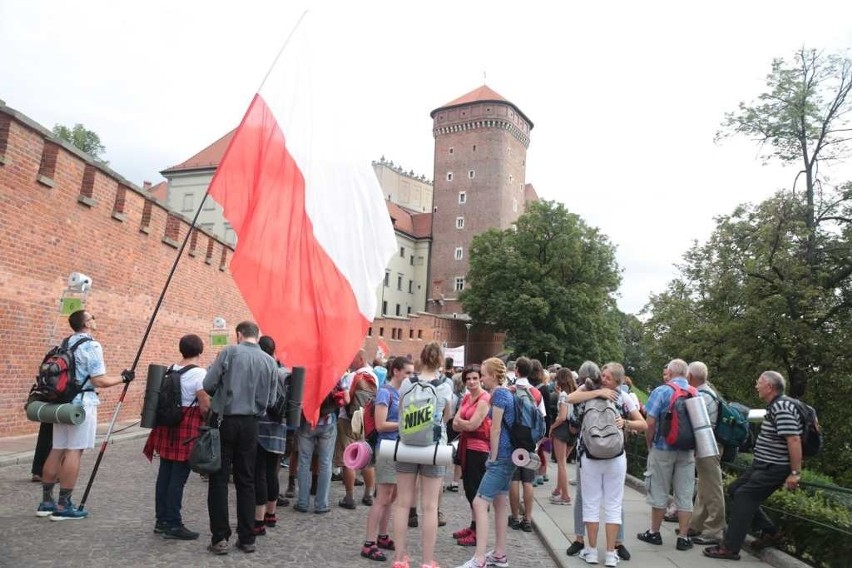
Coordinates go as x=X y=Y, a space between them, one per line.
x=705 y=439
x=153 y=384
x=434 y=454
x=527 y=460
x=357 y=455
x=66 y=413
x=293 y=416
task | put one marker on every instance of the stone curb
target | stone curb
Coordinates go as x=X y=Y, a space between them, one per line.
x=772 y=556
x=550 y=535
x=26 y=457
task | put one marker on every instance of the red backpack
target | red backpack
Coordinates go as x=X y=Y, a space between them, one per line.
x=56 y=381
x=676 y=428
x=368 y=421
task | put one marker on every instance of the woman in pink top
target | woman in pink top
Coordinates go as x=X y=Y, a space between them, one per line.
x=474 y=443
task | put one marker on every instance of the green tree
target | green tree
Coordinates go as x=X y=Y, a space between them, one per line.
x=83 y=139
x=549 y=284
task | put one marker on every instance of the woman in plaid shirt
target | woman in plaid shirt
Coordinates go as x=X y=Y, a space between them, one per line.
x=167 y=442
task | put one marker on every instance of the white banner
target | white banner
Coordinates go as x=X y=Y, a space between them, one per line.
x=457 y=354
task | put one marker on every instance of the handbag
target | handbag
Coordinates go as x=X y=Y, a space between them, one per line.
x=206 y=454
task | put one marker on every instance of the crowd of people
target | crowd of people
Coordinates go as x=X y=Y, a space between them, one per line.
x=588 y=414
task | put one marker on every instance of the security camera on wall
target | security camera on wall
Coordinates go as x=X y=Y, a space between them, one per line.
x=79 y=282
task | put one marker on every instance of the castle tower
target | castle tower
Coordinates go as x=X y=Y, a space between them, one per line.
x=481 y=142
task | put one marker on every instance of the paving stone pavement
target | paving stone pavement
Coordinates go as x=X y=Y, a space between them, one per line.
x=119 y=529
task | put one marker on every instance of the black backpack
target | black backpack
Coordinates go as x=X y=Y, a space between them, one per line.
x=811 y=432
x=169 y=408
x=56 y=381
x=277 y=410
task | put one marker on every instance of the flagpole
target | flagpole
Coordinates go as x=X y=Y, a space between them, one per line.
x=105 y=442
x=283 y=47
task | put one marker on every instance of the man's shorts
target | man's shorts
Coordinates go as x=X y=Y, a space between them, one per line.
x=344 y=438
x=498 y=476
x=673 y=470
x=523 y=475
x=79 y=437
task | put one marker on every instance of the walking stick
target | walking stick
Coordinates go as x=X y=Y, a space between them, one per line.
x=105 y=443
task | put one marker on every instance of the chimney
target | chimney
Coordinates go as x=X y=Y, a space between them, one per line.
x=146 y=185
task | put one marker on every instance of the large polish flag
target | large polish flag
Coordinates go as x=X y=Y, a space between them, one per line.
x=313 y=232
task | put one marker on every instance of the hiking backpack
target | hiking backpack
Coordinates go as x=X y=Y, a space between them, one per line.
x=811 y=431
x=602 y=439
x=732 y=428
x=169 y=408
x=529 y=427
x=419 y=421
x=56 y=381
x=368 y=421
x=358 y=396
x=676 y=428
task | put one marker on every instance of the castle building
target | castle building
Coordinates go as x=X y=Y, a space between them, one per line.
x=481 y=142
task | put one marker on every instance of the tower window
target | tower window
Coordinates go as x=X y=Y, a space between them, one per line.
x=459 y=284
x=449 y=176
x=462 y=198
x=515 y=205
x=471 y=174
x=387 y=278
x=511 y=177
x=402 y=252
x=451 y=151
x=459 y=253
x=474 y=147
x=459 y=222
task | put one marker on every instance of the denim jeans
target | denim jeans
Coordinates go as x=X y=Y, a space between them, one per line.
x=171 y=480
x=322 y=439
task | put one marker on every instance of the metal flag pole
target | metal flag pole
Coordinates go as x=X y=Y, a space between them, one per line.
x=105 y=442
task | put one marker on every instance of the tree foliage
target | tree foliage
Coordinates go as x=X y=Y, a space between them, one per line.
x=549 y=283
x=83 y=139
x=771 y=287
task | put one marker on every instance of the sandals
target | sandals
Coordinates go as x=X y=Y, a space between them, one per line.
x=373 y=553
x=721 y=553
x=385 y=542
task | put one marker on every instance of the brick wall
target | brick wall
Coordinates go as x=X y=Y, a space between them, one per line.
x=61 y=213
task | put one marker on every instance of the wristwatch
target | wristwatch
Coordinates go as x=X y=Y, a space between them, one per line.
x=795 y=472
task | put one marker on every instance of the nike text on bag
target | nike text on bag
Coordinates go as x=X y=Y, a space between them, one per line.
x=676 y=428
x=419 y=424
x=602 y=439
x=169 y=409
x=56 y=381
x=529 y=427
x=811 y=432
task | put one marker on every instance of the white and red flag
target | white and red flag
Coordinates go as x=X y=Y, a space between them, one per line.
x=313 y=232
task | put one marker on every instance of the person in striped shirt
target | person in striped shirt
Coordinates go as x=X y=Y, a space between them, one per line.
x=777 y=463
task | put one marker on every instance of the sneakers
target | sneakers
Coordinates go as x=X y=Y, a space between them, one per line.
x=611 y=558
x=467 y=531
x=47 y=508
x=220 y=548
x=492 y=559
x=180 y=532
x=270 y=520
x=347 y=503
x=558 y=500
x=412 y=518
x=650 y=537
x=68 y=513
x=622 y=552
x=590 y=555
x=160 y=527
x=469 y=540
x=575 y=548
x=539 y=480
x=683 y=543
x=247 y=547
x=441 y=520
x=514 y=523
x=526 y=525
x=472 y=563
x=401 y=563
x=290 y=492
x=453 y=487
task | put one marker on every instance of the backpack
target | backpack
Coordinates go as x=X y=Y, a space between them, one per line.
x=811 y=431
x=169 y=408
x=731 y=427
x=359 y=396
x=602 y=439
x=277 y=410
x=56 y=381
x=529 y=427
x=368 y=422
x=419 y=421
x=676 y=428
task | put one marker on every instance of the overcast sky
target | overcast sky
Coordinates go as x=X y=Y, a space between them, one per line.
x=625 y=97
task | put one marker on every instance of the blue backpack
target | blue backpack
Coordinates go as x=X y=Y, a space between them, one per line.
x=529 y=427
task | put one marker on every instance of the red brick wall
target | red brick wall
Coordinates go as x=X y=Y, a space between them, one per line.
x=86 y=218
